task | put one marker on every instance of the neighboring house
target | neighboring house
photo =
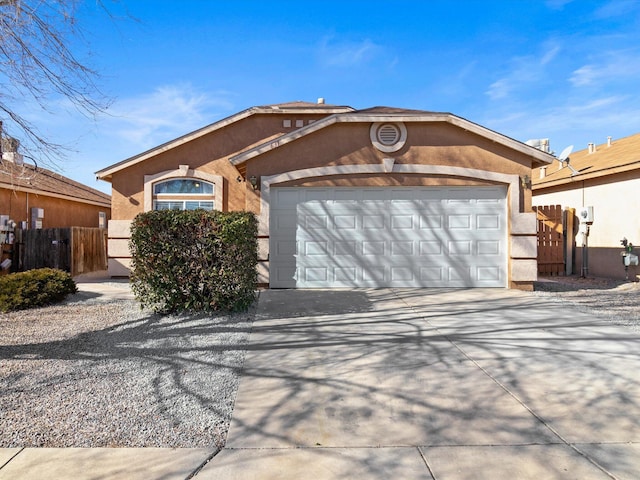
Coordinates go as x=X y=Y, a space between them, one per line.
x=349 y=198
x=606 y=177
x=44 y=199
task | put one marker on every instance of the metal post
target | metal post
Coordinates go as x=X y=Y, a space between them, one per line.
x=585 y=253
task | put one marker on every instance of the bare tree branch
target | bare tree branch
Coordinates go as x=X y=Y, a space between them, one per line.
x=37 y=63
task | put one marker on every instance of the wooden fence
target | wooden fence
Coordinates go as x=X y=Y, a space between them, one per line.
x=551 y=241
x=76 y=250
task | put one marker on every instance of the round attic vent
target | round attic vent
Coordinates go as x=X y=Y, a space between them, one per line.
x=388 y=134
x=388 y=137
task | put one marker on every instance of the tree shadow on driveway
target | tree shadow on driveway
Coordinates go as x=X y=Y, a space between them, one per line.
x=433 y=367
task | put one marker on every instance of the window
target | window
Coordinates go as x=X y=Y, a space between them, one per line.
x=187 y=186
x=183 y=194
x=182 y=205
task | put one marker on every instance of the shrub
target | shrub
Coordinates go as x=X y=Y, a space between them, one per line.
x=34 y=288
x=194 y=260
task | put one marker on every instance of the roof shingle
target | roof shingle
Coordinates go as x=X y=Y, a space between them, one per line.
x=621 y=155
x=30 y=177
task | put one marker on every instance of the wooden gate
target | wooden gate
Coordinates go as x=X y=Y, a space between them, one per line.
x=75 y=250
x=550 y=240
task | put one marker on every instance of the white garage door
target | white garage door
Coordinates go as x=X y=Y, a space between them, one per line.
x=388 y=237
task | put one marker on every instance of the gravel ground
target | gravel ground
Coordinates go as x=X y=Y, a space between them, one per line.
x=95 y=373
x=613 y=300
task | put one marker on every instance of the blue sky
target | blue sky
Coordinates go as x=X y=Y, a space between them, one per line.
x=558 y=69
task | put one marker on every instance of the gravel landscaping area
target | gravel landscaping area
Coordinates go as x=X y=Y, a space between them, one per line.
x=613 y=300
x=96 y=373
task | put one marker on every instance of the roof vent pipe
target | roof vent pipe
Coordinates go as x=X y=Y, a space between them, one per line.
x=592 y=148
x=321 y=101
x=543 y=172
x=608 y=141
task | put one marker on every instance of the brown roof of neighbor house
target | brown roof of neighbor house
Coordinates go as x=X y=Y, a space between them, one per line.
x=29 y=178
x=620 y=156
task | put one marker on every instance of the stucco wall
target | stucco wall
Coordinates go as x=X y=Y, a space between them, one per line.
x=463 y=156
x=208 y=154
x=616 y=204
x=57 y=212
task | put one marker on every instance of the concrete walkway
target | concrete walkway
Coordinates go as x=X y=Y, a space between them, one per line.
x=425 y=384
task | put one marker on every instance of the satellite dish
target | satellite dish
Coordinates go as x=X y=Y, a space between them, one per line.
x=565 y=153
x=564 y=157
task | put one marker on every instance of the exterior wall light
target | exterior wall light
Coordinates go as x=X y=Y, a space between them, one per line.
x=253 y=180
x=525 y=181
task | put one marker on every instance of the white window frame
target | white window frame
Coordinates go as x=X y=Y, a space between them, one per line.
x=182 y=172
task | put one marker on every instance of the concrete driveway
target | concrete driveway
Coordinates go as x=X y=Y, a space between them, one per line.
x=445 y=384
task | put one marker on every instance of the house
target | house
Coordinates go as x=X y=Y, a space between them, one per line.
x=44 y=199
x=32 y=198
x=349 y=198
x=607 y=178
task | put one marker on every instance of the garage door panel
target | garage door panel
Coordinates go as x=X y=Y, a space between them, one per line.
x=430 y=248
x=285 y=248
x=373 y=222
x=377 y=237
x=488 y=248
x=459 y=221
x=373 y=275
x=345 y=222
x=345 y=274
x=460 y=273
x=286 y=222
x=402 y=221
x=315 y=248
x=488 y=222
x=432 y=275
x=341 y=248
x=402 y=248
x=488 y=274
x=287 y=198
x=463 y=247
x=431 y=222
x=374 y=249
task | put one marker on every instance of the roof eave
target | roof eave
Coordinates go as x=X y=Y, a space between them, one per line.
x=107 y=173
x=540 y=157
x=587 y=176
x=19 y=188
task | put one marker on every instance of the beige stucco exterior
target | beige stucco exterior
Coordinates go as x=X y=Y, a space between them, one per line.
x=616 y=204
x=295 y=145
x=606 y=177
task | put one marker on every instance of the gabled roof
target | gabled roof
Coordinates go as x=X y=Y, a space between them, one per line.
x=391 y=114
x=621 y=156
x=391 y=110
x=32 y=179
x=296 y=107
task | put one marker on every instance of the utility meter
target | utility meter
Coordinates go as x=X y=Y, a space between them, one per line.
x=586 y=215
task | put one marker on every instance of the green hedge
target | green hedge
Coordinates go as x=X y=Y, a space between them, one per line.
x=194 y=260
x=34 y=288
